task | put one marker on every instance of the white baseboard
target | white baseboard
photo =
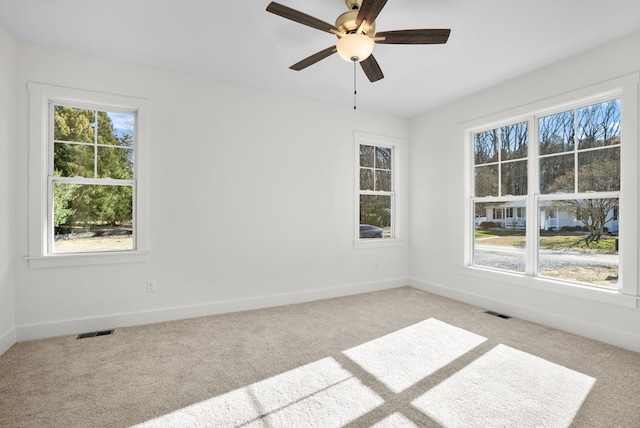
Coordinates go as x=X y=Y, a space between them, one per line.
x=7 y=340
x=580 y=327
x=75 y=326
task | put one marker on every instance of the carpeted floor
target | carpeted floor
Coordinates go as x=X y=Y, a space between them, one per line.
x=394 y=358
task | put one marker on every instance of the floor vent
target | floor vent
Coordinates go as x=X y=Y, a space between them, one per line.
x=94 y=334
x=496 y=314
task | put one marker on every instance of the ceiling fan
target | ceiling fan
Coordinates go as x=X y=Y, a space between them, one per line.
x=356 y=34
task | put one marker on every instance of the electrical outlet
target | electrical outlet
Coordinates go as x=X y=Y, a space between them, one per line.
x=151 y=286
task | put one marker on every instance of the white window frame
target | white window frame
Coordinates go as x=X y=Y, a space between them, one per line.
x=362 y=138
x=40 y=226
x=625 y=88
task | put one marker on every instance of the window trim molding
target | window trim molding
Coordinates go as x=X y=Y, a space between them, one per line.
x=626 y=87
x=395 y=143
x=40 y=95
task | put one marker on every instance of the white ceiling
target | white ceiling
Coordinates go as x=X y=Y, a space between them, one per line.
x=239 y=42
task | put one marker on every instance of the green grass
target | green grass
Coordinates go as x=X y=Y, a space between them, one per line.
x=498 y=232
x=606 y=244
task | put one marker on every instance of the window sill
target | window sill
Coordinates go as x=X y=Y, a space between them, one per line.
x=613 y=297
x=378 y=243
x=87 y=259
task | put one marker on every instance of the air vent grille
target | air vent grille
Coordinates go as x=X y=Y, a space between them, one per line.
x=499 y=315
x=94 y=334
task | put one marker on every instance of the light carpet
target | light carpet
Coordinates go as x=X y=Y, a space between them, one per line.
x=504 y=387
x=315 y=364
x=507 y=388
x=320 y=394
x=402 y=358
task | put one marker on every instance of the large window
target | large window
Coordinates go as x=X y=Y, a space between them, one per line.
x=548 y=197
x=88 y=186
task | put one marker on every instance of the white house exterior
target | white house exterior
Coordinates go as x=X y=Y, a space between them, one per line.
x=512 y=215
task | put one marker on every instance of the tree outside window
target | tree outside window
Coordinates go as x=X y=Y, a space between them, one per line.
x=91 y=179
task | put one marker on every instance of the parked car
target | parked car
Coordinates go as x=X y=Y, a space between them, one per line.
x=368 y=231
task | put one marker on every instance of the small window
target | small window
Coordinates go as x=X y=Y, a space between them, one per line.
x=376 y=192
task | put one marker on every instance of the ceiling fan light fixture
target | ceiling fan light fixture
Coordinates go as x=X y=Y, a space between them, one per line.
x=355 y=47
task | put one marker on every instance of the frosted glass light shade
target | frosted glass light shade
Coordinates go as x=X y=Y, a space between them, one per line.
x=355 y=47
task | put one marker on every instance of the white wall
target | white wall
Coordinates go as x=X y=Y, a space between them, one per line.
x=7 y=242
x=437 y=171
x=251 y=203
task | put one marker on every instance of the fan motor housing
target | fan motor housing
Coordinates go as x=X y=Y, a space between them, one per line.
x=347 y=23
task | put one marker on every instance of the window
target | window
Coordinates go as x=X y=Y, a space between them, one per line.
x=560 y=166
x=88 y=157
x=91 y=180
x=376 y=185
x=579 y=164
x=376 y=192
x=500 y=184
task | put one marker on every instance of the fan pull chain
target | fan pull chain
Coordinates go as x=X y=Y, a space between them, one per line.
x=355 y=92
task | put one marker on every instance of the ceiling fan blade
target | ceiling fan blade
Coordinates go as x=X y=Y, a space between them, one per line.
x=369 y=10
x=299 y=17
x=434 y=36
x=314 y=58
x=372 y=69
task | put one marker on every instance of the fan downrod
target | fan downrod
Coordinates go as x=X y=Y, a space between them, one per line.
x=353 y=4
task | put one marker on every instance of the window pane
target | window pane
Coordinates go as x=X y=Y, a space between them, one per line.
x=599 y=170
x=366 y=179
x=557 y=174
x=73 y=160
x=499 y=243
x=514 y=178
x=383 y=181
x=556 y=133
x=73 y=124
x=599 y=125
x=514 y=141
x=375 y=210
x=115 y=162
x=367 y=156
x=486 y=180
x=116 y=129
x=383 y=158
x=89 y=218
x=578 y=240
x=486 y=147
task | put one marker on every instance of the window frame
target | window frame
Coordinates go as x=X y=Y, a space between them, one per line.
x=625 y=88
x=361 y=138
x=41 y=97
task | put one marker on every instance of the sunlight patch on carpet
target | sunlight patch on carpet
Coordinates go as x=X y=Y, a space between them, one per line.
x=395 y=420
x=507 y=388
x=404 y=357
x=319 y=394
